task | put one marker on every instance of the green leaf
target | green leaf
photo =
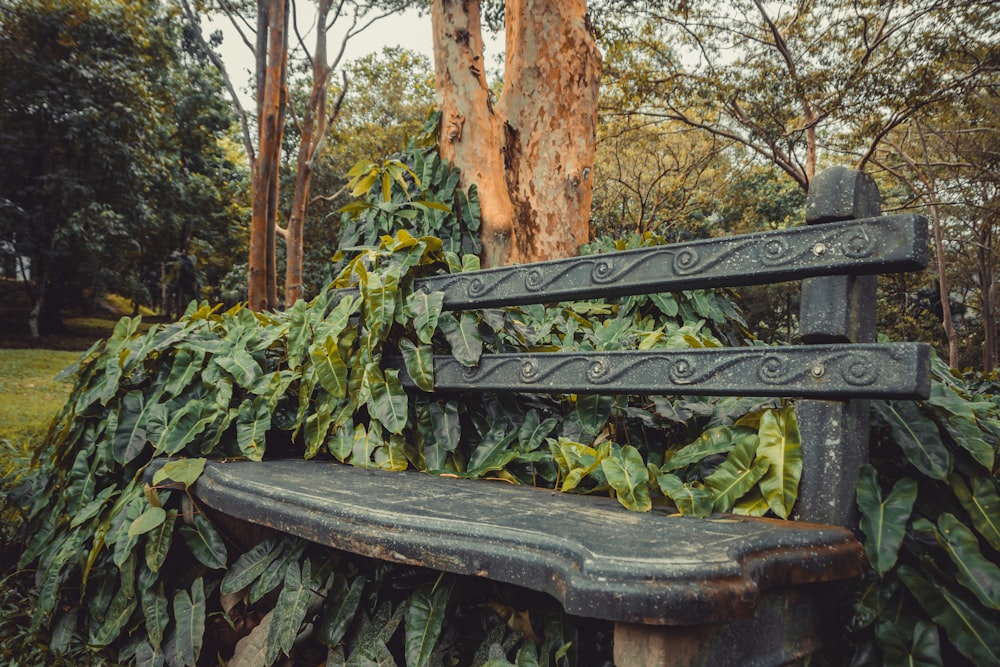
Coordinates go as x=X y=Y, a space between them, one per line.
x=189 y=616
x=130 y=434
x=341 y=443
x=186 y=424
x=975 y=572
x=426 y=308
x=974 y=634
x=241 y=365
x=158 y=542
x=982 y=503
x=593 y=411
x=739 y=473
x=419 y=360
x=252 y=424
x=884 y=522
x=534 y=431
x=626 y=473
x=330 y=368
x=389 y=402
x=147 y=521
x=781 y=445
x=691 y=499
x=365 y=442
x=666 y=302
x=493 y=452
x=424 y=618
x=576 y=461
x=205 y=543
x=444 y=434
x=718 y=440
x=917 y=436
x=290 y=610
x=317 y=426
x=340 y=609
x=117 y=617
x=380 y=302
x=896 y=651
x=251 y=565
x=155 y=610
x=185 y=366
x=182 y=471
x=463 y=336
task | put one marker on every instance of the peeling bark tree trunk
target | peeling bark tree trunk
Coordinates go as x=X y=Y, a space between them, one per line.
x=271 y=71
x=531 y=155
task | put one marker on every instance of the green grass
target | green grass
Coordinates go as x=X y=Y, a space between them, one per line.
x=30 y=396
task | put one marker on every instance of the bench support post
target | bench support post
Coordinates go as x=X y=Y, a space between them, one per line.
x=788 y=626
x=835 y=309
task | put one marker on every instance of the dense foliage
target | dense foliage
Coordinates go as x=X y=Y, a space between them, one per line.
x=113 y=174
x=930 y=502
x=131 y=564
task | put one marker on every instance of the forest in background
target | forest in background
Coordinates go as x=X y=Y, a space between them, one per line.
x=127 y=166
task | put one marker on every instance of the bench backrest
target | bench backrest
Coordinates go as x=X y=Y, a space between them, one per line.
x=837 y=256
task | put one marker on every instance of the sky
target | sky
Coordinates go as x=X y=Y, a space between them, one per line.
x=409 y=29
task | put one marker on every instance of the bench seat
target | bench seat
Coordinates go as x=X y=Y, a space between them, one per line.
x=597 y=558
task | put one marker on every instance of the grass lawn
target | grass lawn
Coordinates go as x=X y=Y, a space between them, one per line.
x=30 y=396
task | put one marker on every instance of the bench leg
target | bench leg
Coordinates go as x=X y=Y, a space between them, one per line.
x=789 y=626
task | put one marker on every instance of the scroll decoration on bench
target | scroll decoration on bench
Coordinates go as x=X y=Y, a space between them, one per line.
x=875 y=370
x=883 y=244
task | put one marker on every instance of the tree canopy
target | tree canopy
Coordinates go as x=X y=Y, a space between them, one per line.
x=112 y=160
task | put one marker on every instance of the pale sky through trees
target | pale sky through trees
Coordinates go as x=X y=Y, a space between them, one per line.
x=409 y=30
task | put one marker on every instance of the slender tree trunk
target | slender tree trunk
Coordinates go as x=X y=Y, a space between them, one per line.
x=530 y=155
x=271 y=66
x=312 y=133
x=988 y=288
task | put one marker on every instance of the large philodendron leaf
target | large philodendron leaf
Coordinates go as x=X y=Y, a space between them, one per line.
x=627 y=474
x=463 y=336
x=690 y=499
x=924 y=651
x=883 y=522
x=290 y=610
x=252 y=425
x=189 y=615
x=718 y=440
x=389 y=401
x=130 y=435
x=443 y=432
x=426 y=309
x=340 y=609
x=424 y=619
x=974 y=633
x=330 y=368
x=419 y=360
x=781 y=445
x=975 y=572
x=918 y=437
x=739 y=473
x=982 y=502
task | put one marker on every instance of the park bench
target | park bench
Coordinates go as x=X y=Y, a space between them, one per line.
x=722 y=590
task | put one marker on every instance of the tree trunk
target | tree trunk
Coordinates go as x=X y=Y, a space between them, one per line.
x=313 y=132
x=531 y=155
x=987 y=289
x=271 y=67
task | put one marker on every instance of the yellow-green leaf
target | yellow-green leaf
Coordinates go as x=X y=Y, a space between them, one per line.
x=781 y=445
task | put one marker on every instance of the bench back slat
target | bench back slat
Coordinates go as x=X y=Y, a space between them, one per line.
x=888 y=370
x=877 y=245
